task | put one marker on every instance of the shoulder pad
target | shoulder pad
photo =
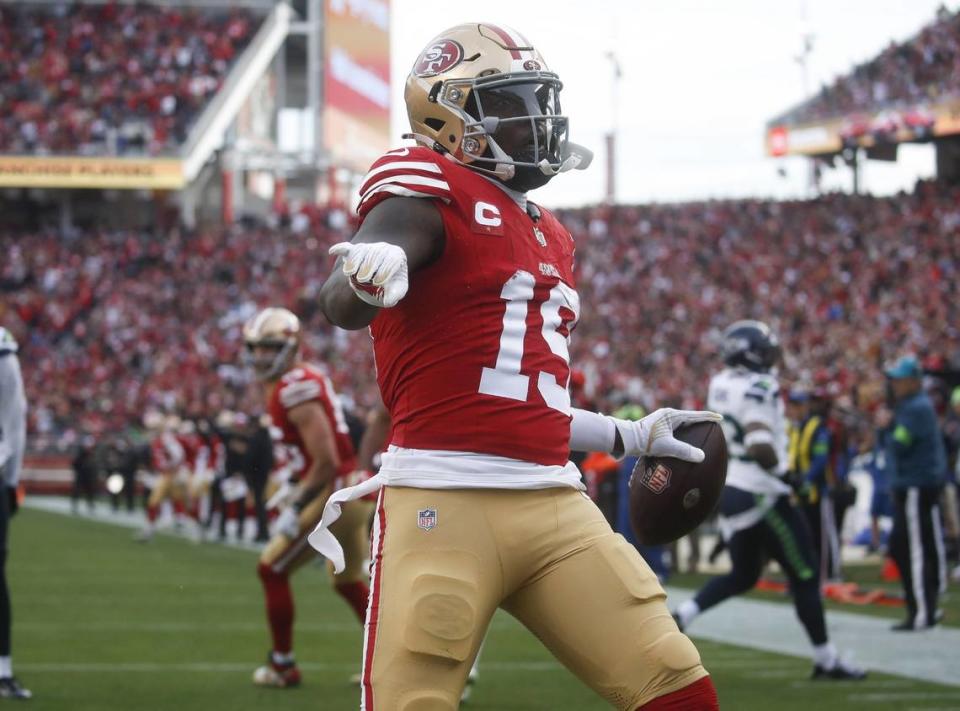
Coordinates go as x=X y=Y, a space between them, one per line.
x=405 y=172
x=762 y=388
x=298 y=387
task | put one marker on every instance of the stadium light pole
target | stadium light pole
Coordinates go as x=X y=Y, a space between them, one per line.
x=611 y=142
x=315 y=70
x=807 y=38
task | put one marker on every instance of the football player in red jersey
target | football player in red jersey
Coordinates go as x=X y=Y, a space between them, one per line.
x=304 y=407
x=469 y=292
x=167 y=459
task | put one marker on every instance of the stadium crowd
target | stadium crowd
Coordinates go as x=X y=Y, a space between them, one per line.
x=112 y=78
x=919 y=71
x=115 y=323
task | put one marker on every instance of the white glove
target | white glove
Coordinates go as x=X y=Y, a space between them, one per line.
x=288 y=523
x=377 y=271
x=652 y=436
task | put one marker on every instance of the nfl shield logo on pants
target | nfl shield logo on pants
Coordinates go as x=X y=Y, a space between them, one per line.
x=427 y=519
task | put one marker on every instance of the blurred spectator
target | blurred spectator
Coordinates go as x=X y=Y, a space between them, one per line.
x=114 y=323
x=951 y=438
x=257 y=468
x=811 y=469
x=875 y=459
x=86 y=471
x=916 y=543
x=121 y=459
x=110 y=78
x=907 y=76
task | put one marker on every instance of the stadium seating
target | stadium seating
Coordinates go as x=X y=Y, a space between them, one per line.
x=110 y=79
x=114 y=322
x=921 y=70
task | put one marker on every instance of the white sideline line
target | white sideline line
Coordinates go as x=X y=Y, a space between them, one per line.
x=904 y=696
x=245 y=667
x=199 y=628
x=177 y=627
x=929 y=655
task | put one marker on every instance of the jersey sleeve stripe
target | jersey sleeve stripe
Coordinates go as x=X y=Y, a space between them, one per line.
x=299 y=393
x=374 y=196
x=403 y=165
x=410 y=179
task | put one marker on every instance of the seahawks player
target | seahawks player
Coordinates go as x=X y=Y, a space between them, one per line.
x=758 y=520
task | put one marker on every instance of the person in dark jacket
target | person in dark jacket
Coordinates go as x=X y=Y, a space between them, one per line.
x=916 y=479
x=86 y=470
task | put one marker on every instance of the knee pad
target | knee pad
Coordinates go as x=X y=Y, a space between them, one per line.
x=442 y=618
x=426 y=701
x=675 y=652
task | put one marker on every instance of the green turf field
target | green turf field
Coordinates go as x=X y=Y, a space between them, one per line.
x=103 y=623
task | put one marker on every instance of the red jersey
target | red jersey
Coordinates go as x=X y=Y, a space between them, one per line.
x=475 y=357
x=192 y=444
x=302 y=384
x=166 y=453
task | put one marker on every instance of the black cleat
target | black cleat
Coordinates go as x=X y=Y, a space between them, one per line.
x=841 y=671
x=908 y=624
x=10 y=688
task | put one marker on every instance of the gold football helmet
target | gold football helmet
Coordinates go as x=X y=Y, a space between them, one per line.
x=271 y=340
x=483 y=94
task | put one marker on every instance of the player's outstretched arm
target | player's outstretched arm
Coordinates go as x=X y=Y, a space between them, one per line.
x=397 y=237
x=374 y=438
x=650 y=436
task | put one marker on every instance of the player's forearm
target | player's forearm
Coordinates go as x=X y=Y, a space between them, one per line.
x=591 y=432
x=341 y=306
x=759 y=443
x=312 y=485
x=322 y=472
x=374 y=438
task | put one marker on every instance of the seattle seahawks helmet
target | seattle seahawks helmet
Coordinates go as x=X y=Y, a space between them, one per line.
x=750 y=344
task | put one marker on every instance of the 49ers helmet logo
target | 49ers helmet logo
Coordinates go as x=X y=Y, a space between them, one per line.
x=439 y=57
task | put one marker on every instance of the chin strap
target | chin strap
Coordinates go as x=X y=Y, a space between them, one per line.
x=577 y=158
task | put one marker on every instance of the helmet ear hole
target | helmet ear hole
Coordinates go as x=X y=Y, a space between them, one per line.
x=435 y=123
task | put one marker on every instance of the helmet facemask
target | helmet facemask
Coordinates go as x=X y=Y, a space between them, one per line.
x=269 y=359
x=513 y=127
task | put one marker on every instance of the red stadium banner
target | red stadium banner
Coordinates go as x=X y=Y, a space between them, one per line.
x=356 y=115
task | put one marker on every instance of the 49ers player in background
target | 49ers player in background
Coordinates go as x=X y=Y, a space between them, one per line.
x=302 y=404
x=469 y=292
x=167 y=459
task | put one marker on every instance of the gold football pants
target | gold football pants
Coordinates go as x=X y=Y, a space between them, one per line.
x=444 y=560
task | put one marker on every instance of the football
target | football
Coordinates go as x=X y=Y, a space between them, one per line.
x=670 y=497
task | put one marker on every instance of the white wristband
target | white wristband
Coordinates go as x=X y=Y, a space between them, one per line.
x=591 y=432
